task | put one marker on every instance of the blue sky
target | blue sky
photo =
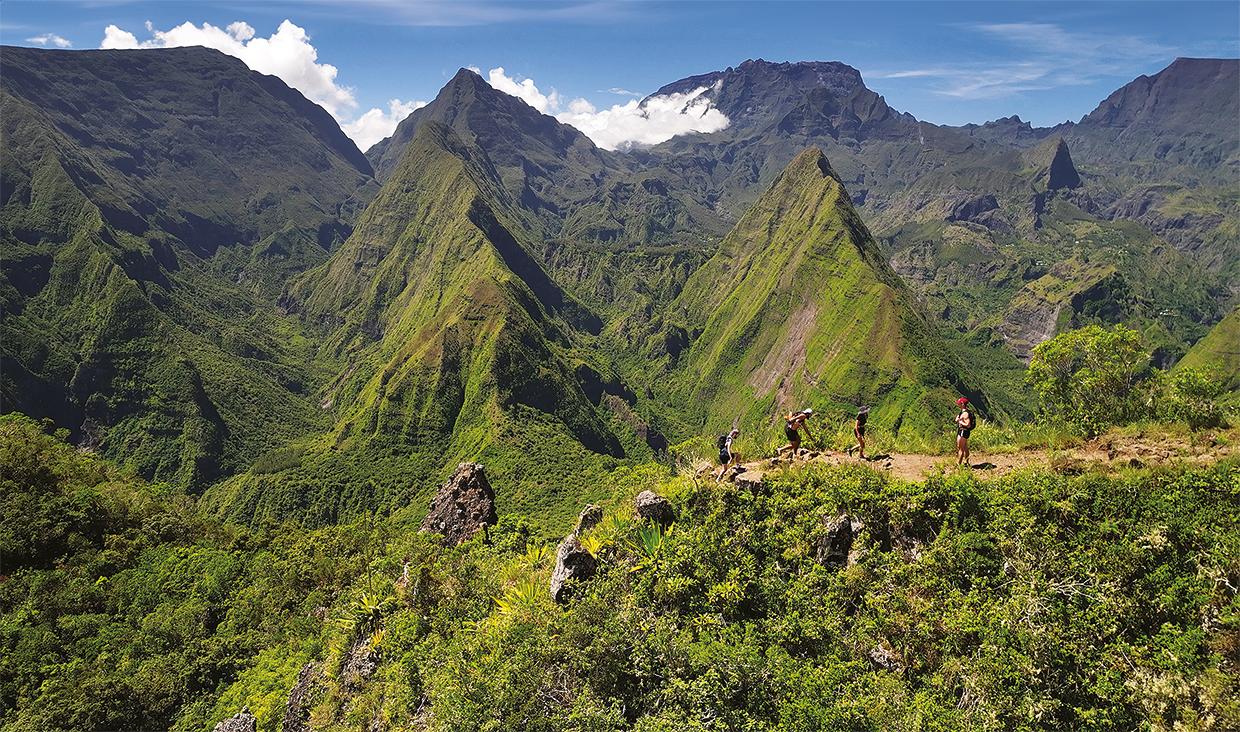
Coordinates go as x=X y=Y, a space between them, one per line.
x=943 y=62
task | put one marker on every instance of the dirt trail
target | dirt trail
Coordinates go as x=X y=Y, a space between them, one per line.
x=1105 y=453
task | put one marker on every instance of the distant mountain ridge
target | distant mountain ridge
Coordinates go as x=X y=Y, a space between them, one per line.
x=515 y=293
x=152 y=205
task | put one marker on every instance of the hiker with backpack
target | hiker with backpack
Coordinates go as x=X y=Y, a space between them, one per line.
x=793 y=424
x=965 y=422
x=727 y=456
x=863 y=414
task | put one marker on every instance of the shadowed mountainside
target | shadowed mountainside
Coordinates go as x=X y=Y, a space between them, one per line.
x=152 y=203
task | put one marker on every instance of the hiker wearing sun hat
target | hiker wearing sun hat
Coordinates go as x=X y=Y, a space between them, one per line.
x=964 y=425
x=793 y=423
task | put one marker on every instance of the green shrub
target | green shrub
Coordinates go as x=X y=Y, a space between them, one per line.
x=1191 y=396
x=1091 y=378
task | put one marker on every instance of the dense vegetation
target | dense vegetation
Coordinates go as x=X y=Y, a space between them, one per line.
x=1037 y=601
x=1092 y=378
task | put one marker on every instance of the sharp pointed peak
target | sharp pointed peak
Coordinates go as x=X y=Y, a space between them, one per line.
x=812 y=161
x=1062 y=172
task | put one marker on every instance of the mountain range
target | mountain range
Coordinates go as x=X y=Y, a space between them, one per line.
x=203 y=278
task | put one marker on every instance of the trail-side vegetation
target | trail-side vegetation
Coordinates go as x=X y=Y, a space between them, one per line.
x=1037 y=601
x=1092 y=378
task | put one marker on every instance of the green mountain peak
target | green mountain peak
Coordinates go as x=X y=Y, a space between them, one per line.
x=453 y=344
x=799 y=307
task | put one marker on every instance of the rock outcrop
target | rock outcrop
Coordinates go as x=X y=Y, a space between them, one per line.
x=970 y=209
x=242 y=721
x=360 y=665
x=590 y=517
x=573 y=564
x=1062 y=173
x=653 y=507
x=297 y=708
x=836 y=544
x=463 y=506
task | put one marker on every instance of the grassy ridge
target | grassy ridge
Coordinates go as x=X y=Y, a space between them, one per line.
x=454 y=345
x=799 y=308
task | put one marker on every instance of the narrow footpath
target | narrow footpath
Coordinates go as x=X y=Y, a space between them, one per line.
x=1107 y=453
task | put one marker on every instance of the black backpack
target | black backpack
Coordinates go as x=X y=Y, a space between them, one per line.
x=722 y=442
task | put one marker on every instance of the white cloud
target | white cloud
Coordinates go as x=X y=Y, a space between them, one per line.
x=1050 y=57
x=655 y=120
x=621 y=126
x=50 y=39
x=377 y=124
x=524 y=90
x=288 y=54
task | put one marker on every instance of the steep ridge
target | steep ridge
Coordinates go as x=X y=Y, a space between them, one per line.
x=1219 y=350
x=798 y=307
x=1170 y=146
x=593 y=210
x=151 y=205
x=455 y=345
x=191 y=142
x=1183 y=115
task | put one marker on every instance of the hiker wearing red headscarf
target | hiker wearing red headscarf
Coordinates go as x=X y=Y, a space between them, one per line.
x=965 y=422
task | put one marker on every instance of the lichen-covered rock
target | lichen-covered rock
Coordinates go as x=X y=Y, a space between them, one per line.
x=297 y=708
x=242 y=721
x=573 y=564
x=590 y=517
x=883 y=657
x=836 y=542
x=360 y=665
x=750 y=481
x=463 y=506
x=653 y=507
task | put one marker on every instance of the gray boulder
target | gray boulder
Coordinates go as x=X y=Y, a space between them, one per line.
x=573 y=564
x=836 y=543
x=242 y=721
x=463 y=506
x=590 y=517
x=653 y=507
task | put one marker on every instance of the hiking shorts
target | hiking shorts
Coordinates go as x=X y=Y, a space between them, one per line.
x=725 y=457
x=792 y=435
x=964 y=432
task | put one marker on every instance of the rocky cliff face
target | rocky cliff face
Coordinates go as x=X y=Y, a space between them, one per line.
x=1061 y=173
x=464 y=506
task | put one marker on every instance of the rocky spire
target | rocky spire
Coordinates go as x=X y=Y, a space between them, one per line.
x=1062 y=173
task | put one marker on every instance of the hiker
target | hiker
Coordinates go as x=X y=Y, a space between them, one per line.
x=793 y=423
x=863 y=414
x=727 y=456
x=964 y=425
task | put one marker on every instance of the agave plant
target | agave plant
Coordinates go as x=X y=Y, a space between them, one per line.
x=367 y=611
x=592 y=544
x=535 y=555
x=614 y=528
x=520 y=597
x=650 y=540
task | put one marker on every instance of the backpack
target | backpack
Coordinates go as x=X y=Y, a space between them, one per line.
x=722 y=442
x=971 y=421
